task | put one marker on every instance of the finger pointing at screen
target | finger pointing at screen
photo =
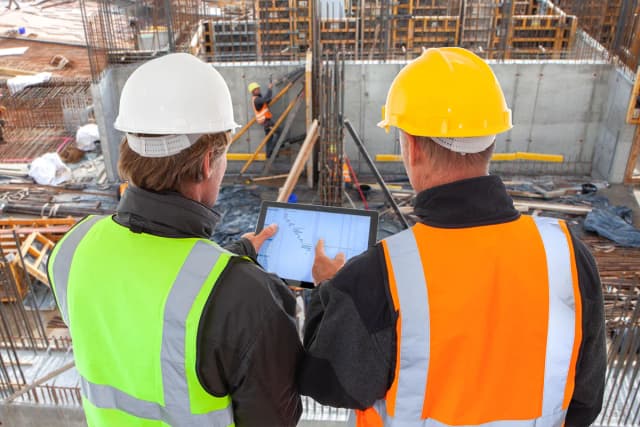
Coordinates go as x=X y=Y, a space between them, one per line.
x=324 y=267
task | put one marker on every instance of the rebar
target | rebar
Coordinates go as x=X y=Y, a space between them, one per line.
x=331 y=100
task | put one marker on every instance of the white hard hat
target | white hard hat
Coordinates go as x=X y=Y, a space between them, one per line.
x=178 y=96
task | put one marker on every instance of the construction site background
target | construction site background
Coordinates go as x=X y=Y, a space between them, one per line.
x=568 y=69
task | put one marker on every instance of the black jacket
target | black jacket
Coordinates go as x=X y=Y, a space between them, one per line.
x=350 y=332
x=248 y=345
x=260 y=100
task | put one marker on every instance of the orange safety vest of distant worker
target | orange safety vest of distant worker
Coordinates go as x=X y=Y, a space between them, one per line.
x=263 y=114
x=489 y=326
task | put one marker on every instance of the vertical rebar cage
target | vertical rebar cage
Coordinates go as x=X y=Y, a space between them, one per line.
x=125 y=31
x=331 y=102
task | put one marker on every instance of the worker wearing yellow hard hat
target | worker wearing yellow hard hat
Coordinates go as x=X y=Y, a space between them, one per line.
x=476 y=315
x=263 y=115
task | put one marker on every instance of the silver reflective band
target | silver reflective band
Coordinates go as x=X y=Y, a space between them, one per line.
x=161 y=146
x=63 y=259
x=106 y=397
x=555 y=420
x=415 y=331
x=562 y=314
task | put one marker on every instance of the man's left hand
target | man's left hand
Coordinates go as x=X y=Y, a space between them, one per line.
x=258 y=239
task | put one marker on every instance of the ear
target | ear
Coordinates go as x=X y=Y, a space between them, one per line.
x=414 y=153
x=207 y=171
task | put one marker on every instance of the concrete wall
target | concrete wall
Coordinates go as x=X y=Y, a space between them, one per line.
x=568 y=109
x=557 y=109
x=616 y=136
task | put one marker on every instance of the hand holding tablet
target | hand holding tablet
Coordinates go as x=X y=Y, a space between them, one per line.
x=291 y=250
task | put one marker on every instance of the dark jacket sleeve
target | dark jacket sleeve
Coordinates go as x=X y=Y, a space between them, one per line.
x=592 y=359
x=261 y=100
x=248 y=346
x=349 y=330
x=242 y=247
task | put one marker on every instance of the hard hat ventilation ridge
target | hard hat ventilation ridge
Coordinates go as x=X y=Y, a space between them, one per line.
x=161 y=146
x=466 y=145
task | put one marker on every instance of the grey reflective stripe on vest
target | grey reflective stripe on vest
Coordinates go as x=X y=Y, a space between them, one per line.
x=553 y=420
x=62 y=262
x=408 y=271
x=176 y=412
x=415 y=330
x=562 y=313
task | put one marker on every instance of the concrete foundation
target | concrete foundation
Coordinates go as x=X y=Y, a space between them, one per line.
x=572 y=109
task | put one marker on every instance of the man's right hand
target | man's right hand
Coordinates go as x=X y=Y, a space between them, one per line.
x=325 y=268
x=270 y=85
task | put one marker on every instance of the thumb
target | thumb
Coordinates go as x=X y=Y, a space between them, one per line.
x=270 y=230
x=340 y=257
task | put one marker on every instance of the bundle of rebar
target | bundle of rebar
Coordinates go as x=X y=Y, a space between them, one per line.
x=331 y=101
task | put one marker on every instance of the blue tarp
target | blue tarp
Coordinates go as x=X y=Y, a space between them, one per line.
x=614 y=223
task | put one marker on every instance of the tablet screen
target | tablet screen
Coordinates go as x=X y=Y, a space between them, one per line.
x=291 y=251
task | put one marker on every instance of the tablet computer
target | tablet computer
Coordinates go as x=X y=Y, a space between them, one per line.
x=290 y=252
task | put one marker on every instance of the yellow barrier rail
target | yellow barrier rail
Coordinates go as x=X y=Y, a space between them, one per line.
x=497 y=157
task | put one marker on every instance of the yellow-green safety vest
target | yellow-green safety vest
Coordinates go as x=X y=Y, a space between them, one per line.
x=133 y=303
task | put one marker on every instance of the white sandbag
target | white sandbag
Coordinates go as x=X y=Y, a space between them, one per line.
x=86 y=137
x=49 y=169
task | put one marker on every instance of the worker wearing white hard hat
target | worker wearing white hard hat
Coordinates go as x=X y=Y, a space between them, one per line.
x=476 y=315
x=168 y=327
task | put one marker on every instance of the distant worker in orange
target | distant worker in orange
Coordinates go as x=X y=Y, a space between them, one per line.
x=263 y=114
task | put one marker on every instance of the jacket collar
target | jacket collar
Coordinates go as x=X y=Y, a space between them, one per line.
x=166 y=214
x=466 y=203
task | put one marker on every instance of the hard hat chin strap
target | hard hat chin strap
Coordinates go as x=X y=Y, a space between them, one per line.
x=161 y=146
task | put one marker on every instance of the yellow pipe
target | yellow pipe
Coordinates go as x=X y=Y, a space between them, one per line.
x=245 y=156
x=497 y=157
x=388 y=158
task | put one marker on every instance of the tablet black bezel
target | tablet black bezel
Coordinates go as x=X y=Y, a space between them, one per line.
x=372 y=215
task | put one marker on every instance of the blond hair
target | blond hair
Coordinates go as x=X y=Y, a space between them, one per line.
x=169 y=173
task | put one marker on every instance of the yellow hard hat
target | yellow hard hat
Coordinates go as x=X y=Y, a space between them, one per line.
x=447 y=92
x=253 y=86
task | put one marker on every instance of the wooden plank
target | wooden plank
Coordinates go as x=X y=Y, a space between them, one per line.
x=633 y=158
x=298 y=164
x=555 y=207
x=308 y=84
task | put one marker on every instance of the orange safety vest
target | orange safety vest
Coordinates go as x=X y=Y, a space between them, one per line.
x=489 y=326
x=263 y=114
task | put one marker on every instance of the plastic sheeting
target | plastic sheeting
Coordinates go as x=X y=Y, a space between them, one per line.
x=49 y=169
x=239 y=207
